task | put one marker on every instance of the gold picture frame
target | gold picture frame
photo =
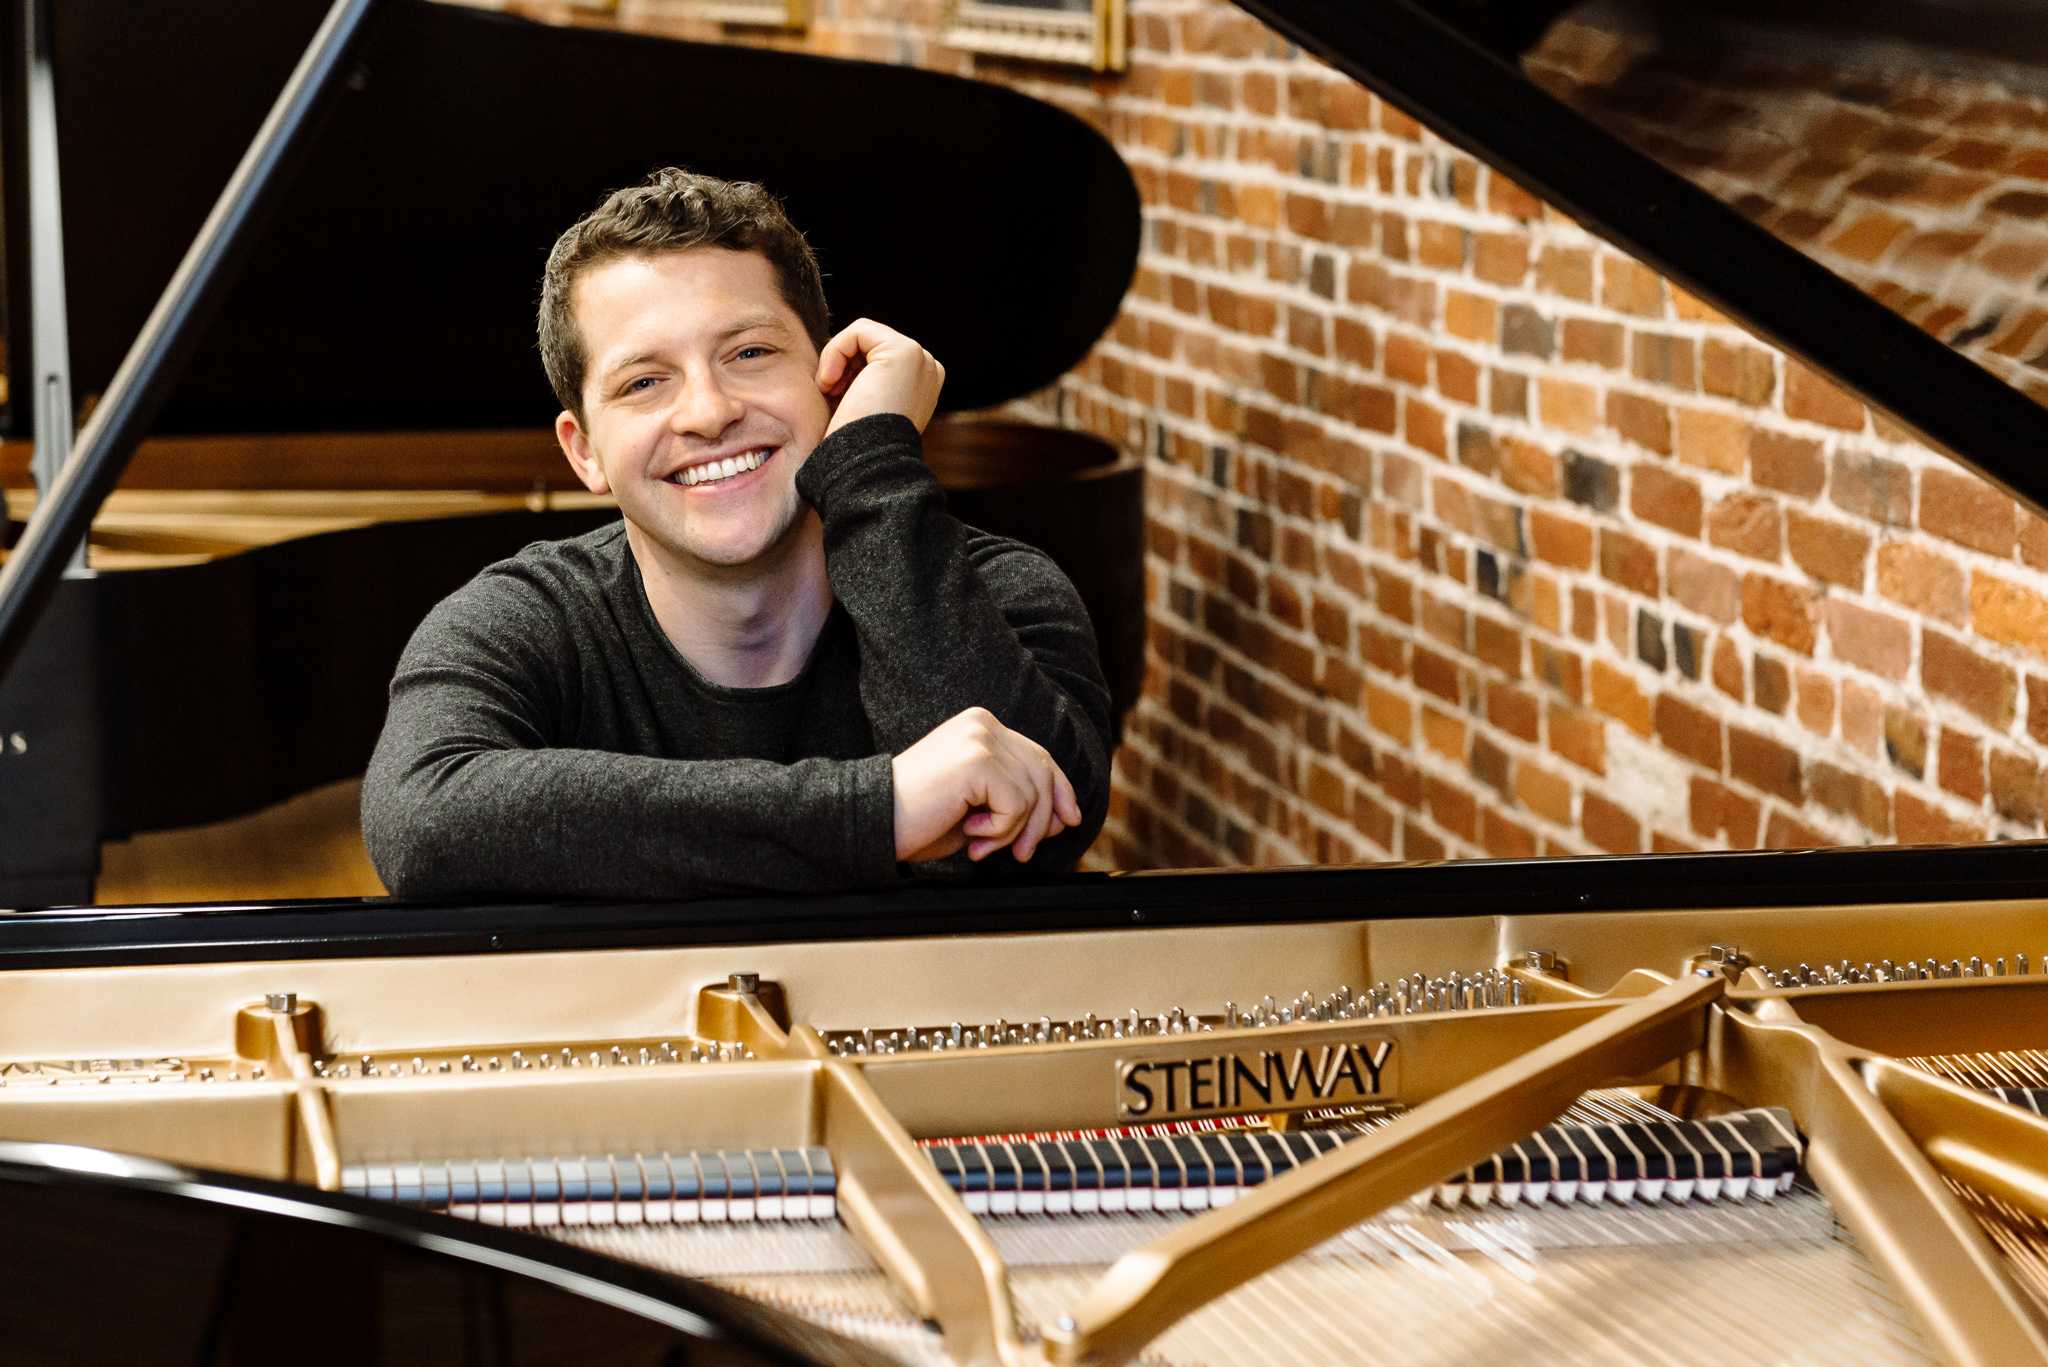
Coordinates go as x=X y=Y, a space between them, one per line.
x=1090 y=33
x=790 y=15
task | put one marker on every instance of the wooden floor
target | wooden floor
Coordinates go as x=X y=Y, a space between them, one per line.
x=308 y=846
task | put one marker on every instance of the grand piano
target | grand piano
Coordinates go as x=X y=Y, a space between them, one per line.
x=1777 y=1106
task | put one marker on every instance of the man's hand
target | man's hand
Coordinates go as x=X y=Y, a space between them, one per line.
x=869 y=369
x=974 y=782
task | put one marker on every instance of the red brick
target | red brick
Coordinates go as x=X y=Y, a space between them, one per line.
x=2009 y=612
x=1966 y=510
x=1513 y=710
x=1473 y=317
x=1578 y=736
x=1856 y=796
x=1616 y=694
x=1498 y=644
x=1406 y=359
x=1503 y=838
x=1609 y=826
x=1872 y=487
x=1567 y=404
x=1764 y=763
x=1833 y=552
x=1905 y=740
x=1451 y=807
x=1714 y=440
x=1529 y=469
x=1950 y=669
x=1816 y=702
x=1445 y=733
x=1501 y=258
x=1876 y=641
x=1746 y=374
x=1792 y=465
x=1644 y=421
x=1862 y=716
x=1922 y=823
x=1560 y=540
x=1787 y=832
x=2016 y=787
x=1689 y=731
x=1631 y=287
x=1773 y=681
x=1628 y=561
x=1559 y=668
x=1544 y=793
x=1705 y=586
x=1960 y=764
x=1727 y=670
x=1783 y=612
x=1566 y=272
x=1668 y=500
x=1719 y=812
x=1749 y=524
x=1434 y=673
x=1925 y=580
x=1810 y=396
x=1591 y=341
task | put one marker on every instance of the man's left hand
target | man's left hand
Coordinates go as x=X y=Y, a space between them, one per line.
x=869 y=369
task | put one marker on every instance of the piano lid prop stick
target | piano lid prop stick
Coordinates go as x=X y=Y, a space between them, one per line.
x=1153 y=1286
x=157 y=358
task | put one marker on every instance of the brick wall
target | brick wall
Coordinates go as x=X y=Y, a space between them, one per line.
x=1470 y=535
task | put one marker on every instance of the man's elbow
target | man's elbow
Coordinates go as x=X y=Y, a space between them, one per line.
x=415 y=853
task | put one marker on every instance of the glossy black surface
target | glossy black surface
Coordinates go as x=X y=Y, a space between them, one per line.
x=394 y=286
x=110 y=1259
x=1894 y=880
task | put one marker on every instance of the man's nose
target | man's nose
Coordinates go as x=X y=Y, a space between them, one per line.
x=704 y=408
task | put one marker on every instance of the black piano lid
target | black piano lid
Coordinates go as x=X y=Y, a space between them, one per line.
x=394 y=289
x=216 y=1267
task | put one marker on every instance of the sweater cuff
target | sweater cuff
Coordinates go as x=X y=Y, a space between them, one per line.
x=871 y=825
x=879 y=436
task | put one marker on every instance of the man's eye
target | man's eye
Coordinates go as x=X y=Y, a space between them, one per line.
x=748 y=353
x=639 y=385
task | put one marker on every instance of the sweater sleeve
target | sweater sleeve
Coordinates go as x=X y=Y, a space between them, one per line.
x=949 y=618
x=470 y=790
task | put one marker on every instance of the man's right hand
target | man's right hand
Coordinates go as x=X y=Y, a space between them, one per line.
x=975 y=783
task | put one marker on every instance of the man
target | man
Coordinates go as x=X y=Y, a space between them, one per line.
x=787 y=668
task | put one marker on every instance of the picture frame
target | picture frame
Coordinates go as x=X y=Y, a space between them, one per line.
x=1089 y=33
x=790 y=16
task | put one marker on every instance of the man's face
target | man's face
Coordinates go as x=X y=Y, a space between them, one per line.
x=698 y=371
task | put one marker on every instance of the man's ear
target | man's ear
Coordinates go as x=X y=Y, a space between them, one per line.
x=576 y=446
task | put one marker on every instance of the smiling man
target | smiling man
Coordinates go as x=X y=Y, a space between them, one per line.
x=787 y=667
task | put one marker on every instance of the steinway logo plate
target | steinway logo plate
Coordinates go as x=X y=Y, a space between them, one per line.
x=1186 y=1085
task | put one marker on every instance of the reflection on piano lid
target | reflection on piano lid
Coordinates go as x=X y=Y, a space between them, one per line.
x=390 y=289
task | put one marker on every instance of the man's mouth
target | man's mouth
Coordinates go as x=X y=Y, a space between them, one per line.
x=712 y=471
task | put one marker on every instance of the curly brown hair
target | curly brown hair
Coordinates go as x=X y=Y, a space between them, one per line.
x=671 y=211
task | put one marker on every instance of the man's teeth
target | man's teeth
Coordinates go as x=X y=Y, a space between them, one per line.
x=722 y=469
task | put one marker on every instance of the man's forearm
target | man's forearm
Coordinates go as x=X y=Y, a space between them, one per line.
x=581 y=823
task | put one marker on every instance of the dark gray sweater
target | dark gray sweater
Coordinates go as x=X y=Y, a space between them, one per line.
x=546 y=738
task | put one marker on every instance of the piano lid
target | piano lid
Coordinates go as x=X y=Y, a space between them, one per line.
x=406 y=253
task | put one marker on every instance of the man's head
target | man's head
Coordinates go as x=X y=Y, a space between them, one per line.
x=681 y=324
x=672 y=210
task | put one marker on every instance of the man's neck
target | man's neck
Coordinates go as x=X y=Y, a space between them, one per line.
x=742 y=627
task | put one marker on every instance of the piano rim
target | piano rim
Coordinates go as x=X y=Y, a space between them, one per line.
x=69 y=937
